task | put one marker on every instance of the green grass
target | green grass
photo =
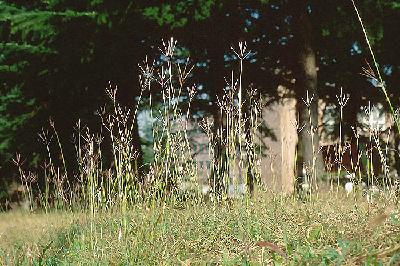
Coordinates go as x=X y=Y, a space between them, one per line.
x=328 y=230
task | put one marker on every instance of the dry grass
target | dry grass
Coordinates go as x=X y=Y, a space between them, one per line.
x=19 y=226
x=24 y=235
x=330 y=229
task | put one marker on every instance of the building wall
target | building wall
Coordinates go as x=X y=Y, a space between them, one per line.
x=277 y=167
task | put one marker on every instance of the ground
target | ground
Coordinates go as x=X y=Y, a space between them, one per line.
x=269 y=229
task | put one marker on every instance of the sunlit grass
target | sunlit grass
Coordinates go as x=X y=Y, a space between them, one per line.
x=329 y=229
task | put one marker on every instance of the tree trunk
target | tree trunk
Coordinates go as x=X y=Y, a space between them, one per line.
x=127 y=98
x=137 y=145
x=308 y=145
x=216 y=83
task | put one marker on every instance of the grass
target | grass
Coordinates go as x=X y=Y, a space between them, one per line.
x=24 y=235
x=118 y=216
x=269 y=229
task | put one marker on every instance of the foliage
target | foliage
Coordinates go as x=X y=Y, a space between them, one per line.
x=62 y=53
x=58 y=55
x=28 y=36
x=11 y=123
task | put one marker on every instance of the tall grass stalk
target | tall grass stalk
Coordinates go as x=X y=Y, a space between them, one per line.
x=312 y=173
x=173 y=165
x=379 y=80
x=342 y=101
x=238 y=167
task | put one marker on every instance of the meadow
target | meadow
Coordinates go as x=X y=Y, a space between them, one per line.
x=123 y=213
x=332 y=229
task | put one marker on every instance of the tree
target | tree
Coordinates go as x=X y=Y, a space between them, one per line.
x=58 y=56
x=27 y=35
x=307 y=84
x=57 y=59
x=297 y=39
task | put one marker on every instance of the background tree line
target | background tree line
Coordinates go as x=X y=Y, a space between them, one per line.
x=57 y=56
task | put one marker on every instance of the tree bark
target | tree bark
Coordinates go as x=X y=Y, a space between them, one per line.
x=308 y=144
x=127 y=98
x=223 y=32
x=216 y=83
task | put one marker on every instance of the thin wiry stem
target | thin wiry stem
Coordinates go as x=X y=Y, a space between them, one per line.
x=380 y=79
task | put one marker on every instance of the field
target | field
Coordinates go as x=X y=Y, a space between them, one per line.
x=329 y=229
x=129 y=187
